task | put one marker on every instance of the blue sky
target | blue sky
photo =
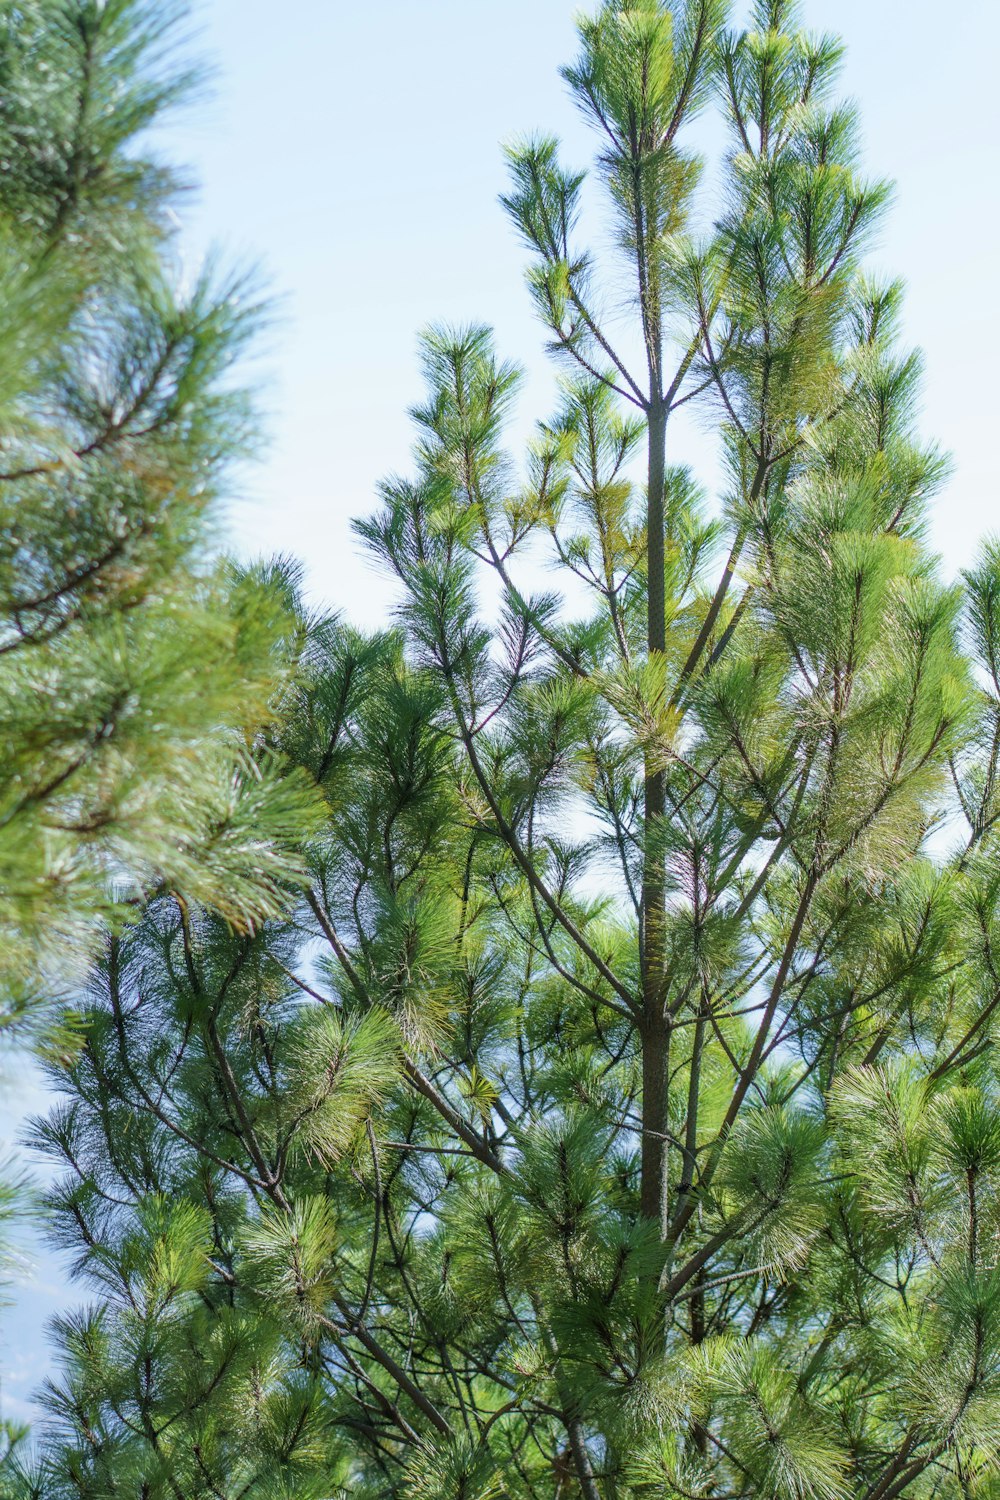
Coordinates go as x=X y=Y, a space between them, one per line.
x=352 y=151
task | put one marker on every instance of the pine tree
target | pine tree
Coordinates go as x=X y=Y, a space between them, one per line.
x=617 y=1117
x=129 y=667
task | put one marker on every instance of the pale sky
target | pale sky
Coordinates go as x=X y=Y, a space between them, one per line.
x=352 y=150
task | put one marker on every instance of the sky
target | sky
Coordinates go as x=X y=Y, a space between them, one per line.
x=351 y=152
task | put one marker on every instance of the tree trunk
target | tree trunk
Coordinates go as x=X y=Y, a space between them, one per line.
x=655 y=1035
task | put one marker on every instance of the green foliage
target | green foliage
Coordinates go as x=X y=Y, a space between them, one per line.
x=616 y=1113
x=131 y=672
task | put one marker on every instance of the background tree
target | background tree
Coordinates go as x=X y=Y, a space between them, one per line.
x=618 y=1115
x=123 y=657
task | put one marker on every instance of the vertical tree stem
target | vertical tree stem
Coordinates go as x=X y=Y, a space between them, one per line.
x=654 y=1031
